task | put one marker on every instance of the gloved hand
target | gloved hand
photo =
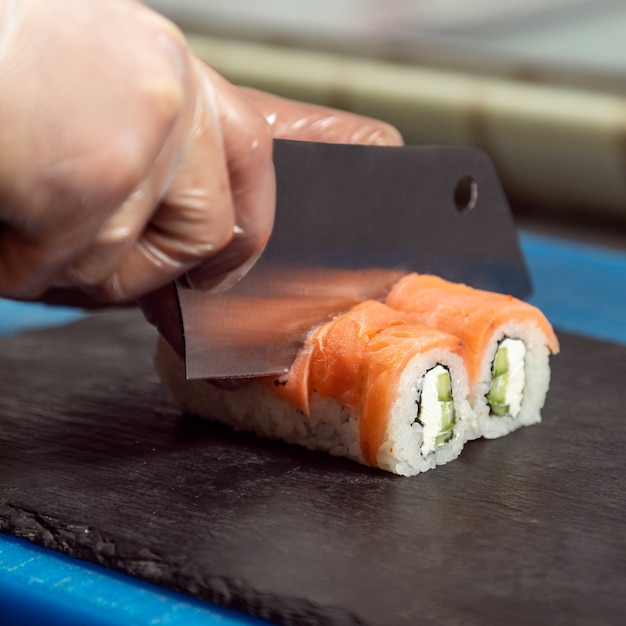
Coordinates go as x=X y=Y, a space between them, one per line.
x=126 y=162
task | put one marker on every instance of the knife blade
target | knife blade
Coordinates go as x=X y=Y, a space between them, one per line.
x=350 y=220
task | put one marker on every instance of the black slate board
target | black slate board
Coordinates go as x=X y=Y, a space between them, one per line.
x=528 y=529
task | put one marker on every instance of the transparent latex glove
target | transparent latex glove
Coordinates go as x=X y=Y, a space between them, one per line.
x=124 y=161
x=309 y=122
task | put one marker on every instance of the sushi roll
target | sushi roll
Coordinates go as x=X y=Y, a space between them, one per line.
x=369 y=385
x=509 y=343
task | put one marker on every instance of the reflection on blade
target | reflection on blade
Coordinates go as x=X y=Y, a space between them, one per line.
x=260 y=324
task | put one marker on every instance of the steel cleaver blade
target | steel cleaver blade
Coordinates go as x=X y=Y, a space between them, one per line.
x=350 y=220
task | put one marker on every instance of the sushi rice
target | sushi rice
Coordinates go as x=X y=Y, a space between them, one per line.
x=330 y=426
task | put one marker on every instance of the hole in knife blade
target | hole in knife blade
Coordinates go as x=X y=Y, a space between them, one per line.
x=465 y=194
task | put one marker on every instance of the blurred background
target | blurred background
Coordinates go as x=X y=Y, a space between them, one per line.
x=540 y=85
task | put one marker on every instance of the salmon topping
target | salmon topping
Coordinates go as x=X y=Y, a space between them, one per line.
x=471 y=314
x=357 y=359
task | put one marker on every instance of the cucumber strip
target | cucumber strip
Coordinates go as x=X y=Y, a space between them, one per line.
x=436 y=408
x=507 y=378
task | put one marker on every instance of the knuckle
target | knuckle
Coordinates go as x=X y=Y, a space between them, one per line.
x=165 y=84
x=377 y=133
x=252 y=155
x=262 y=142
x=164 y=95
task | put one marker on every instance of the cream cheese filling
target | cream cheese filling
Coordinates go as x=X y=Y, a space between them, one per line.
x=435 y=409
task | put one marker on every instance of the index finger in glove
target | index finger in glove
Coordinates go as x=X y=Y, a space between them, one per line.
x=290 y=119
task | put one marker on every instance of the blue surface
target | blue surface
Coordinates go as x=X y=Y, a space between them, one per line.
x=18 y=316
x=581 y=288
x=41 y=587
